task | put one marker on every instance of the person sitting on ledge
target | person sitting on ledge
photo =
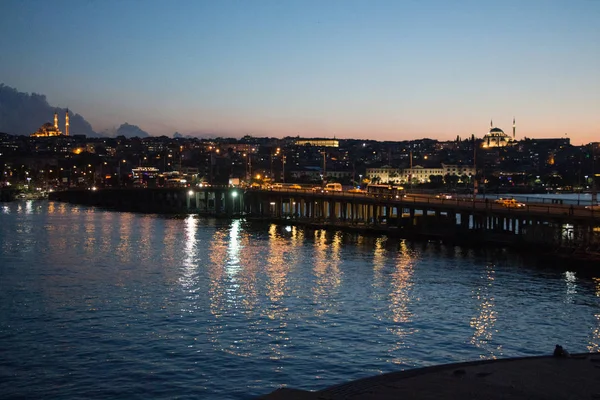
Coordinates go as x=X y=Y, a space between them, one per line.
x=560 y=352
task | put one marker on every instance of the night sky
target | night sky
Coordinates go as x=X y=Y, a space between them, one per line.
x=386 y=70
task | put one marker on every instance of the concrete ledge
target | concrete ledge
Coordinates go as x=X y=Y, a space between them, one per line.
x=547 y=377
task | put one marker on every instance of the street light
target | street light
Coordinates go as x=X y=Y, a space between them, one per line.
x=233 y=198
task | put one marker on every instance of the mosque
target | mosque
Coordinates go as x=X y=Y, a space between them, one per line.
x=497 y=138
x=48 y=129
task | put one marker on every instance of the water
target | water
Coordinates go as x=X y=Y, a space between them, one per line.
x=99 y=304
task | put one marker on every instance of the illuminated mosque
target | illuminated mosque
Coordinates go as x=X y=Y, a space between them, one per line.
x=48 y=129
x=497 y=138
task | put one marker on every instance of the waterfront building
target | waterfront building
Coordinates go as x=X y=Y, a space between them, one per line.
x=385 y=174
x=460 y=170
x=420 y=174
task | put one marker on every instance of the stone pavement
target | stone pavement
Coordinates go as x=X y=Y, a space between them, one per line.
x=547 y=377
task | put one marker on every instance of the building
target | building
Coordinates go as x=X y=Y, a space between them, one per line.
x=318 y=142
x=497 y=138
x=50 y=130
x=460 y=170
x=384 y=174
x=417 y=173
x=420 y=174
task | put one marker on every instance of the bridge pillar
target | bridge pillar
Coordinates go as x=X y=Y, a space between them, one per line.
x=464 y=220
x=332 y=210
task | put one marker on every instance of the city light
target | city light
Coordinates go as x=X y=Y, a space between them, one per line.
x=191 y=193
x=234 y=194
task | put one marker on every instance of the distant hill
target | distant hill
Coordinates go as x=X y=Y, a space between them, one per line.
x=23 y=113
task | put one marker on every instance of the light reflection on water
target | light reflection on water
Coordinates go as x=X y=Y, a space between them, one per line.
x=326 y=271
x=484 y=323
x=227 y=309
x=594 y=344
x=400 y=298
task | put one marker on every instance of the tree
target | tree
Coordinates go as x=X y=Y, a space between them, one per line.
x=436 y=180
x=451 y=180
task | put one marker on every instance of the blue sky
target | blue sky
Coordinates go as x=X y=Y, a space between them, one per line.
x=387 y=70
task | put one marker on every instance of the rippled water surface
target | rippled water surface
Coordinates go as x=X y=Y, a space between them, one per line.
x=100 y=304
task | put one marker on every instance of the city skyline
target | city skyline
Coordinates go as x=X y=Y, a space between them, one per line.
x=383 y=70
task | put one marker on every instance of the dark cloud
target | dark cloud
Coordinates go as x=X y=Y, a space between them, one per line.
x=130 y=131
x=23 y=113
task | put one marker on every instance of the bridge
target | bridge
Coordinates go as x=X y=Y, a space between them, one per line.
x=573 y=229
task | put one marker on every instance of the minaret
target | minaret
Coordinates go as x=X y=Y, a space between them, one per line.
x=514 y=128
x=491 y=124
x=55 y=121
x=67 y=123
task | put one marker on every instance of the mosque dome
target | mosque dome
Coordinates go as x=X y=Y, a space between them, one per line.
x=497 y=138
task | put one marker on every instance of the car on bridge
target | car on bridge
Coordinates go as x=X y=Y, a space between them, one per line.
x=443 y=196
x=510 y=203
x=357 y=190
x=593 y=207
